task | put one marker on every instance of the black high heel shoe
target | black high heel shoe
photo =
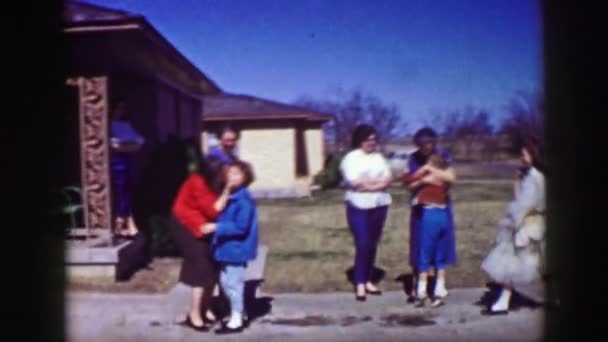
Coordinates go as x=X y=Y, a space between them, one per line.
x=489 y=312
x=361 y=298
x=188 y=323
x=374 y=292
x=358 y=297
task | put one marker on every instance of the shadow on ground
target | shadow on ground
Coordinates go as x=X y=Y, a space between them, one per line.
x=256 y=307
x=407 y=282
x=392 y=320
x=377 y=275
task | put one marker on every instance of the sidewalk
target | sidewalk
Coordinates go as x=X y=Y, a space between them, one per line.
x=301 y=317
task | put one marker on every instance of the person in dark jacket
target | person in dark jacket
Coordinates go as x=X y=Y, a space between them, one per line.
x=235 y=241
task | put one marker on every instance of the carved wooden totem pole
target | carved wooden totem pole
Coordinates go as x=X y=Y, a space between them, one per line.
x=94 y=151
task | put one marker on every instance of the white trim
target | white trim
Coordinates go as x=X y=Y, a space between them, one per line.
x=102 y=28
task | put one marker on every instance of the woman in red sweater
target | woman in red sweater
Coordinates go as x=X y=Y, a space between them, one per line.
x=199 y=201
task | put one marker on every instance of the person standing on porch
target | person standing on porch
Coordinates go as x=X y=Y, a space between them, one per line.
x=367 y=177
x=124 y=143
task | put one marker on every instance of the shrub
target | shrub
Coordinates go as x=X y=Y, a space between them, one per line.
x=330 y=176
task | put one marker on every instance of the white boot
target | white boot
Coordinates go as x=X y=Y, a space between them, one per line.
x=440 y=290
x=421 y=295
x=236 y=321
x=421 y=290
x=502 y=304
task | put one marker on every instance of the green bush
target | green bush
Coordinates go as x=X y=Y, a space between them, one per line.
x=66 y=209
x=330 y=176
x=192 y=157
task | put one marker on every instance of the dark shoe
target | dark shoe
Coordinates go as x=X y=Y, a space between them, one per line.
x=361 y=298
x=375 y=292
x=490 y=312
x=188 y=323
x=224 y=330
x=411 y=297
x=420 y=302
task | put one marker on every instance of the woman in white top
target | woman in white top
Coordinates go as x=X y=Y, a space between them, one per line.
x=517 y=257
x=366 y=176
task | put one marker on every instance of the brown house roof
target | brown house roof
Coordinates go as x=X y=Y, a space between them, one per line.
x=227 y=106
x=158 y=54
x=76 y=12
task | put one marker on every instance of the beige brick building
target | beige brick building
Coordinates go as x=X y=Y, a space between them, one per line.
x=283 y=143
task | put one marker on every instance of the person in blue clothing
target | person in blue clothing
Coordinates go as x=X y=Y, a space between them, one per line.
x=235 y=241
x=432 y=229
x=125 y=141
x=228 y=137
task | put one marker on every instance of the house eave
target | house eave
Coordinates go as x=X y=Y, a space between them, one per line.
x=206 y=85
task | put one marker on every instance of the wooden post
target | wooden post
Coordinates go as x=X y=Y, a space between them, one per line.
x=94 y=151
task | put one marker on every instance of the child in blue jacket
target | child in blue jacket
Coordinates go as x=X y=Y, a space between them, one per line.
x=235 y=240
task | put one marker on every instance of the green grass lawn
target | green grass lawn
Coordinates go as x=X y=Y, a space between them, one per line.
x=311 y=247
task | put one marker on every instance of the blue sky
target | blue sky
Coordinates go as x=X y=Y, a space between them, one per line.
x=423 y=55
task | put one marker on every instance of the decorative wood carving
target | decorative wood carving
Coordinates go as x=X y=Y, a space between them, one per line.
x=94 y=151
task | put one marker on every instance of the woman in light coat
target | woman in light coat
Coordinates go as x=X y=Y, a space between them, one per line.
x=518 y=255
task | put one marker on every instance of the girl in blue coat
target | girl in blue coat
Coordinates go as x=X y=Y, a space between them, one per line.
x=235 y=240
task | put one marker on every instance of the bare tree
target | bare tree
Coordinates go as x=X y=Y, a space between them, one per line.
x=467 y=126
x=355 y=107
x=525 y=118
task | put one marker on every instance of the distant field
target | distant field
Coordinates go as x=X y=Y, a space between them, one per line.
x=486 y=170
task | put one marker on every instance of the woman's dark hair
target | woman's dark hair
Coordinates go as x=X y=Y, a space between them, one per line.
x=425 y=134
x=247 y=170
x=361 y=133
x=211 y=168
x=227 y=127
x=533 y=146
